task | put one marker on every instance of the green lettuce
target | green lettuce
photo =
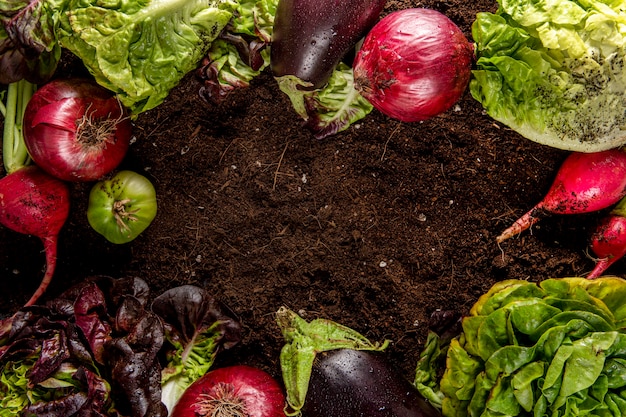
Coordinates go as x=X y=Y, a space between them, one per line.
x=328 y=110
x=141 y=49
x=557 y=348
x=241 y=52
x=554 y=71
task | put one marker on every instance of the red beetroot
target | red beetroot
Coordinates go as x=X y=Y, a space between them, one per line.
x=608 y=242
x=234 y=391
x=35 y=203
x=585 y=182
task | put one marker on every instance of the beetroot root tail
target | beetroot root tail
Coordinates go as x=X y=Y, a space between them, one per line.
x=50 y=249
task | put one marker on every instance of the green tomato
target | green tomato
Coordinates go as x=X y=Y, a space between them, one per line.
x=122 y=207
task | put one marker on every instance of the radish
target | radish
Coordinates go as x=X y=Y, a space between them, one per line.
x=35 y=203
x=585 y=182
x=608 y=242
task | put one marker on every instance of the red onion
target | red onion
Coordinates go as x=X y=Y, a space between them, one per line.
x=235 y=391
x=34 y=203
x=76 y=130
x=414 y=64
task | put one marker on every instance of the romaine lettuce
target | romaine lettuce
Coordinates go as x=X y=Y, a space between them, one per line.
x=554 y=70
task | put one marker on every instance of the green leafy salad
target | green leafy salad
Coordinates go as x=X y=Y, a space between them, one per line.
x=553 y=70
x=557 y=348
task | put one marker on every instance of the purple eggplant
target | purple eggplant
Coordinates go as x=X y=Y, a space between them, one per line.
x=352 y=383
x=311 y=37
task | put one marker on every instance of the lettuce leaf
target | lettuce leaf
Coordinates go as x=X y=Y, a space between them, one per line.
x=141 y=49
x=554 y=71
x=197 y=327
x=555 y=348
x=28 y=46
x=241 y=52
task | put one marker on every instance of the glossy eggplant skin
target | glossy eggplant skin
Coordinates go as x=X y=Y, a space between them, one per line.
x=310 y=37
x=351 y=383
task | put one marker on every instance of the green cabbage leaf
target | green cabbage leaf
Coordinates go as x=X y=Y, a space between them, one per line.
x=557 y=348
x=554 y=71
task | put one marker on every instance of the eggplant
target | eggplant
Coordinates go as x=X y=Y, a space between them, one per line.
x=358 y=383
x=311 y=37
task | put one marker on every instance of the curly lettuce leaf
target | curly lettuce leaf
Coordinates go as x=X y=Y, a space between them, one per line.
x=555 y=71
x=331 y=109
x=240 y=53
x=553 y=348
x=28 y=46
x=141 y=49
x=197 y=327
x=91 y=351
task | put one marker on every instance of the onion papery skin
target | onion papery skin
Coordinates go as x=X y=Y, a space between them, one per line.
x=259 y=394
x=414 y=64
x=76 y=130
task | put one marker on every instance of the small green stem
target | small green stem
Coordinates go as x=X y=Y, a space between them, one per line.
x=14 y=152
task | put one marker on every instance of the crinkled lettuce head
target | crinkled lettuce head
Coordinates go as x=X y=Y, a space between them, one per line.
x=554 y=71
x=557 y=348
x=141 y=49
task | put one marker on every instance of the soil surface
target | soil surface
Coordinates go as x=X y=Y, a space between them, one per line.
x=376 y=227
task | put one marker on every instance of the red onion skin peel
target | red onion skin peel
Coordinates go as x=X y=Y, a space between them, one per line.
x=608 y=242
x=234 y=391
x=35 y=203
x=413 y=65
x=584 y=183
x=76 y=130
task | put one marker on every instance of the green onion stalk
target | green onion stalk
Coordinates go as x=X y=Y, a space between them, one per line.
x=14 y=153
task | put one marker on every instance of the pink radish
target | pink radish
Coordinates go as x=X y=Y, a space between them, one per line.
x=585 y=182
x=608 y=242
x=35 y=203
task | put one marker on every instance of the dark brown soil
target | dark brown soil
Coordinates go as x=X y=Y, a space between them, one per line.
x=376 y=227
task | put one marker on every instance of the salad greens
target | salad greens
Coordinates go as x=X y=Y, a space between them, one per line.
x=98 y=349
x=556 y=348
x=141 y=49
x=197 y=327
x=555 y=71
x=28 y=47
x=240 y=53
